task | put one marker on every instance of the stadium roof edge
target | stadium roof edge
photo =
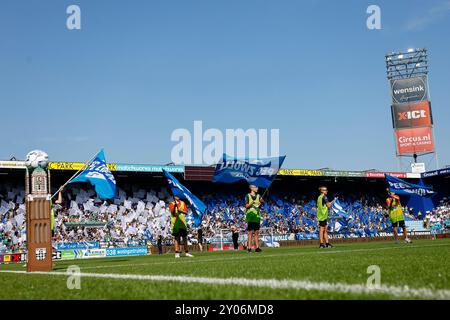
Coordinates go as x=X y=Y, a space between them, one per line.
x=123 y=167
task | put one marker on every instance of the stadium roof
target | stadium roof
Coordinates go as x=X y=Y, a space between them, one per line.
x=123 y=167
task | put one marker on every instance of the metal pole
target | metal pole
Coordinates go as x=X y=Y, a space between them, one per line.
x=27 y=182
x=49 y=184
x=73 y=177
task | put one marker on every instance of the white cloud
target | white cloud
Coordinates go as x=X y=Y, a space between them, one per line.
x=430 y=16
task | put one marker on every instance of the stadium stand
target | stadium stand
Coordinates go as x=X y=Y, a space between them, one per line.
x=141 y=215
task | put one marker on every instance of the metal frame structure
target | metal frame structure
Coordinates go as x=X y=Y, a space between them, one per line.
x=408 y=64
x=401 y=65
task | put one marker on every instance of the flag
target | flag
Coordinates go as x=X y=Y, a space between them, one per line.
x=402 y=187
x=338 y=209
x=98 y=175
x=259 y=172
x=337 y=226
x=197 y=206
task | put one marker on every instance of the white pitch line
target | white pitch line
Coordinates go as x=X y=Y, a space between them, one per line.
x=395 y=291
x=254 y=256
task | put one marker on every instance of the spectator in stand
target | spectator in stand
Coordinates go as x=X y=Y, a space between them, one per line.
x=137 y=216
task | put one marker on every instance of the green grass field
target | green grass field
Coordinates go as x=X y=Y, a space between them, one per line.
x=417 y=271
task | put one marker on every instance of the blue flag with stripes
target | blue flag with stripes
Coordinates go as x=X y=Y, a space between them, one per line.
x=99 y=176
x=178 y=190
x=402 y=187
x=259 y=172
x=338 y=209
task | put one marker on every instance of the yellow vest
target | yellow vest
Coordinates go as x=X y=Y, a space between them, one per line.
x=178 y=218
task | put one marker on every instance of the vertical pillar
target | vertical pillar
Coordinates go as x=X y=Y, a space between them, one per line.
x=39 y=235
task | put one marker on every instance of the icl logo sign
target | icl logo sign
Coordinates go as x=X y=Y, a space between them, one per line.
x=409 y=115
x=412 y=115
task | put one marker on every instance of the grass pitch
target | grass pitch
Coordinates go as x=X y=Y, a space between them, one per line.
x=417 y=271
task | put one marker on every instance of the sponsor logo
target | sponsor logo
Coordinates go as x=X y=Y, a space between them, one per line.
x=412 y=115
x=56 y=255
x=409 y=115
x=41 y=254
x=300 y=172
x=94 y=253
x=12 y=164
x=409 y=90
x=440 y=172
x=75 y=166
x=418 y=167
x=374 y=174
x=78 y=245
x=414 y=140
x=126 y=251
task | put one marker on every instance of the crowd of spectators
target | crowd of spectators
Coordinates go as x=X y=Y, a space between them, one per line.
x=439 y=217
x=142 y=215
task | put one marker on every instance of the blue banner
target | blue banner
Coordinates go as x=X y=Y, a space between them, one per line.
x=441 y=172
x=259 y=172
x=401 y=187
x=148 y=168
x=127 y=251
x=178 y=190
x=78 y=245
x=98 y=175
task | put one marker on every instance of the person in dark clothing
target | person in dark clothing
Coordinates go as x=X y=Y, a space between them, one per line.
x=200 y=238
x=235 y=237
x=159 y=244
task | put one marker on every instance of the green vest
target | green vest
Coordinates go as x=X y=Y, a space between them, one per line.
x=52 y=221
x=252 y=213
x=178 y=219
x=52 y=217
x=396 y=212
x=322 y=210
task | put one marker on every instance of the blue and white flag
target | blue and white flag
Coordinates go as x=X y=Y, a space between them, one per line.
x=338 y=209
x=98 y=175
x=337 y=226
x=178 y=190
x=259 y=172
x=401 y=187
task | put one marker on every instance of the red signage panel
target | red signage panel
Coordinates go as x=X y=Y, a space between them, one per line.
x=376 y=174
x=412 y=115
x=414 y=140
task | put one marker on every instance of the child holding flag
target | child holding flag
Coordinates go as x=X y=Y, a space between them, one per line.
x=178 y=211
x=396 y=215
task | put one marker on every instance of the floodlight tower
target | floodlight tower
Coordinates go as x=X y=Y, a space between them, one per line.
x=407 y=73
x=412 y=63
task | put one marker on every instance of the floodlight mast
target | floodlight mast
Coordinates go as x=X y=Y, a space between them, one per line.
x=407 y=64
x=412 y=63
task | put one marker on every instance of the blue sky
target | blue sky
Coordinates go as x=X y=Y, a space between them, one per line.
x=137 y=70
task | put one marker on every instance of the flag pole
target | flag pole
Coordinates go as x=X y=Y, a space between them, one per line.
x=75 y=175
x=267 y=189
